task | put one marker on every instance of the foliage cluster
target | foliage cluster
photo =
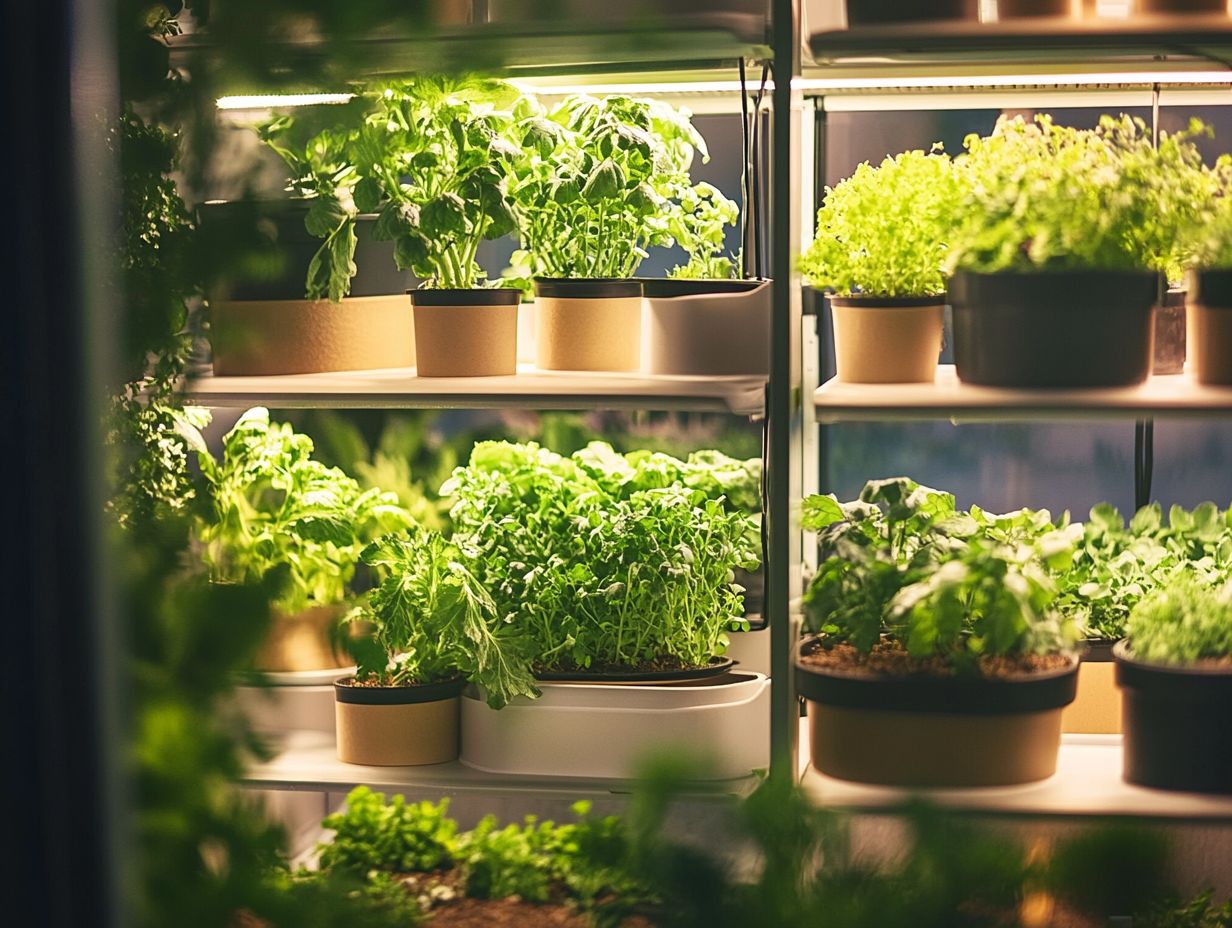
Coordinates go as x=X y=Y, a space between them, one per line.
x=268 y=505
x=602 y=559
x=903 y=563
x=1039 y=196
x=1184 y=622
x=447 y=163
x=1117 y=564
x=885 y=230
x=431 y=619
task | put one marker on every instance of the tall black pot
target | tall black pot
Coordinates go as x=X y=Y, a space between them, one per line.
x=1053 y=328
x=1176 y=725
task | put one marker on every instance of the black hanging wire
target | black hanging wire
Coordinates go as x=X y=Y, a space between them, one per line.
x=1144 y=429
x=759 y=268
x=746 y=149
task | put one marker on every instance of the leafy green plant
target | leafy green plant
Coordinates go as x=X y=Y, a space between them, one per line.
x=1185 y=622
x=1199 y=912
x=402 y=837
x=600 y=181
x=429 y=156
x=699 y=227
x=884 y=231
x=430 y=619
x=1038 y=196
x=1210 y=245
x=1116 y=564
x=269 y=506
x=601 y=559
x=903 y=563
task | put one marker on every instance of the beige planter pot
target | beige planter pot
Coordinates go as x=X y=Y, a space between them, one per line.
x=1096 y=709
x=308 y=640
x=1208 y=327
x=885 y=340
x=935 y=731
x=588 y=325
x=466 y=333
x=269 y=337
x=397 y=726
x=719 y=327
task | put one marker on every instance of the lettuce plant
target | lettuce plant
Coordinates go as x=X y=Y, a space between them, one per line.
x=604 y=560
x=885 y=230
x=699 y=226
x=430 y=619
x=600 y=181
x=903 y=563
x=1038 y=196
x=1185 y=622
x=269 y=506
x=1210 y=246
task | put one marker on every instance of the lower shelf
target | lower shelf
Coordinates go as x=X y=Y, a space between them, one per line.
x=308 y=761
x=1087 y=784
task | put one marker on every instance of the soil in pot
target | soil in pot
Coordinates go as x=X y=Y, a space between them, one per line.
x=1208 y=322
x=876 y=12
x=466 y=333
x=395 y=726
x=1170 y=334
x=588 y=325
x=1096 y=709
x=887 y=340
x=1053 y=328
x=1176 y=723
x=890 y=719
x=657 y=673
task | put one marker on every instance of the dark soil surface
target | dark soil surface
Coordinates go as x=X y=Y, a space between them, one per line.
x=890 y=659
x=658 y=665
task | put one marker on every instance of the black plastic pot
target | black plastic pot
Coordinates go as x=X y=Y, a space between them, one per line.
x=1053 y=328
x=275 y=229
x=584 y=288
x=1170 y=334
x=1177 y=722
x=931 y=731
x=654 y=288
x=1212 y=288
x=876 y=12
x=345 y=691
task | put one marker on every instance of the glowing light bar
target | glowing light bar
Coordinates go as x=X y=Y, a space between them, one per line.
x=279 y=100
x=955 y=81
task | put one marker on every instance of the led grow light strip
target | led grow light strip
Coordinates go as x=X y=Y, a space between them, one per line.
x=271 y=100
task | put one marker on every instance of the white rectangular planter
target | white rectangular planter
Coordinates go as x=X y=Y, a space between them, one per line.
x=590 y=730
x=295 y=701
x=721 y=329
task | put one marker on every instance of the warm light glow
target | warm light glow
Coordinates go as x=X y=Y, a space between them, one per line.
x=952 y=81
x=642 y=89
x=279 y=100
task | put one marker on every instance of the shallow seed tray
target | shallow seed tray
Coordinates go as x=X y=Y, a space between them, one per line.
x=585 y=730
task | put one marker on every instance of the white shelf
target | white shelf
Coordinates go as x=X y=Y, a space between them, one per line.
x=308 y=761
x=1170 y=395
x=1087 y=783
x=530 y=388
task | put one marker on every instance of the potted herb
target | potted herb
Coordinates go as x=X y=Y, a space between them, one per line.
x=595 y=188
x=938 y=656
x=431 y=627
x=880 y=245
x=317 y=292
x=612 y=564
x=270 y=507
x=1175 y=674
x=1057 y=248
x=701 y=319
x=433 y=156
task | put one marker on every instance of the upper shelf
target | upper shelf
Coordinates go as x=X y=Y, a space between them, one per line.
x=948 y=398
x=529 y=389
x=1119 y=44
x=703 y=42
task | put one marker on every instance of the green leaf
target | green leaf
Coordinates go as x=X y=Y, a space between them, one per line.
x=324 y=216
x=367 y=195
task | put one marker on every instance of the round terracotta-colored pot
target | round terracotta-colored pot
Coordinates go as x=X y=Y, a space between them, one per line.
x=466 y=333
x=588 y=325
x=887 y=339
x=925 y=731
x=397 y=726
